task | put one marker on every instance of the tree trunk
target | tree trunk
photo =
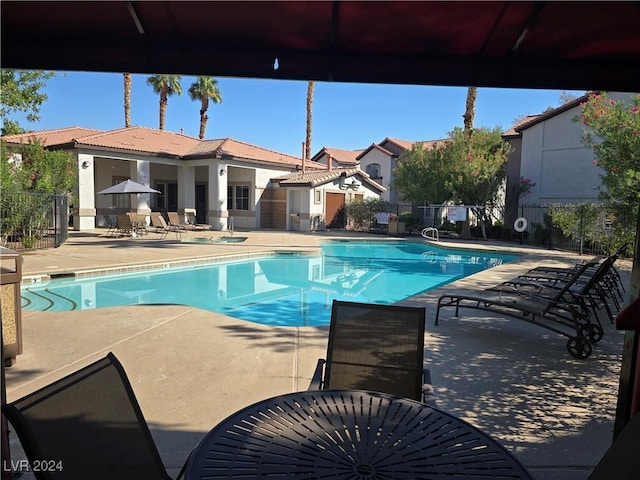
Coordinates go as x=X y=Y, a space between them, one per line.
x=307 y=145
x=163 y=108
x=127 y=99
x=203 y=116
x=470 y=108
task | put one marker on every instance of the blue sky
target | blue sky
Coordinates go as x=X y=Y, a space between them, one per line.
x=271 y=113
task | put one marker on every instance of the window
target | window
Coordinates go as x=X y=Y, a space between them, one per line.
x=161 y=199
x=373 y=170
x=238 y=197
x=120 y=200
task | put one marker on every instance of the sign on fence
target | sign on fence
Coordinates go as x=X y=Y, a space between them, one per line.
x=383 y=218
x=456 y=214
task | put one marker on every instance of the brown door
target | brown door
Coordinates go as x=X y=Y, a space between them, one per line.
x=273 y=208
x=333 y=210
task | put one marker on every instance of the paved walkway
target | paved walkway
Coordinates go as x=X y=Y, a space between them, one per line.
x=191 y=368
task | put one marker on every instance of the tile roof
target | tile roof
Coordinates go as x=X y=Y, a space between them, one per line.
x=339 y=155
x=553 y=112
x=406 y=144
x=371 y=147
x=512 y=132
x=159 y=143
x=428 y=144
x=141 y=139
x=403 y=144
x=313 y=179
x=240 y=150
x=49 y=138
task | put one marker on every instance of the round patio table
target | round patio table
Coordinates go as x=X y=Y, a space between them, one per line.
x=341 y=434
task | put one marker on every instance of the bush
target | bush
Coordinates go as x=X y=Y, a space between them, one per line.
x=541 y=234
x=411 y=223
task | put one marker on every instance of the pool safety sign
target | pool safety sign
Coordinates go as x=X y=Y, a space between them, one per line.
x=383 y=218
x=456 y=214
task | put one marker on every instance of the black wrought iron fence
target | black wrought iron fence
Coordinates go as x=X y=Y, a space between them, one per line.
x=30 y=221
x=590 y=234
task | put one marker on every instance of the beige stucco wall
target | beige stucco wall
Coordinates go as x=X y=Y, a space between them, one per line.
x=376 y=156
x=554 y=157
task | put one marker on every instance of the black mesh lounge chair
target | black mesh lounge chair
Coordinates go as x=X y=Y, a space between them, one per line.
x=377 y=348
x=560 y=310
x=594 y=286
x=88 y=425
x=612 y=280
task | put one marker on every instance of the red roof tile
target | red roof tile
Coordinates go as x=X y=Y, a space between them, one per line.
x=141 y=139
x=236 y=149
x=159 y=143
x=313 y=179
x=49 y=138
x=512 y=132
x=339 y=155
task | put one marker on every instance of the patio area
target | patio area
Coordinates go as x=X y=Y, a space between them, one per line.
x=191 y=368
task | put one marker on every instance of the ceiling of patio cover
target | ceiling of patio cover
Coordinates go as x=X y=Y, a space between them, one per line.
x=559 y=45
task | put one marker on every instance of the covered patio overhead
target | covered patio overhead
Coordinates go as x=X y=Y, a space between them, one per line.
x=566 y=45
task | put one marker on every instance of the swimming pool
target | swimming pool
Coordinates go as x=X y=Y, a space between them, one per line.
x=286 y=288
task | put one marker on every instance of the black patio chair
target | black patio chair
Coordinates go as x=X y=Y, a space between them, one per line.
x=377 y=348
x=87 y=425
x=112 y=227
x=563 y=309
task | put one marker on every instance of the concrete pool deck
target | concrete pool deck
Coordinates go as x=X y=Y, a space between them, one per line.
x=191 y=368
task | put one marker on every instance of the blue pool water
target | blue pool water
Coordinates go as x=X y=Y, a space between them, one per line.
x=285 y=289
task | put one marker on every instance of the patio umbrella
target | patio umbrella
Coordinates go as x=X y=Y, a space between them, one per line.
x=128 y=186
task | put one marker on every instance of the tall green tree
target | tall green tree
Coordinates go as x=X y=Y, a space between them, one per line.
x=422 y=176
x=205 y=89
x=612 y=130
x=165 y=86
x=21 y=91
x=126 y=79
x=307 y=143
x=30 y=167
x=468 y=168
x=478 y=165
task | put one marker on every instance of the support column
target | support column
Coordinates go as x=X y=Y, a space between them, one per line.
x=218 y=213
x=186 y=189
x=140 y=172
x=84 y=212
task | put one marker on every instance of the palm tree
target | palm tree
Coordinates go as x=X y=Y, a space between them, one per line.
x=470 y=109
x=127 y=99
x=469 y=115
x=307 y=144
x=205 y=88
x=165 y=86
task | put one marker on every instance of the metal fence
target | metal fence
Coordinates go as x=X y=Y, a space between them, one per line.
x=412 y=218
x=30 y=221
x=539 y=230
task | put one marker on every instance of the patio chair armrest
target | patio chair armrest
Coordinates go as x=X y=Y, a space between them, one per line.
x=428 y=392
x=316 y=380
